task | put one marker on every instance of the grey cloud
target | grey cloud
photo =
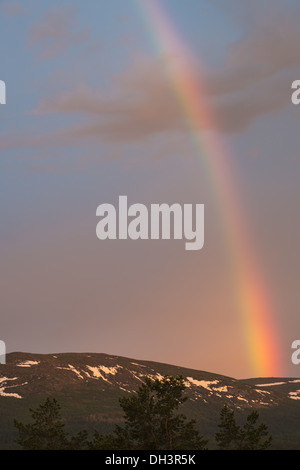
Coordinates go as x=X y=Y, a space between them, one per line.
x=252 y=82
x=56 y=31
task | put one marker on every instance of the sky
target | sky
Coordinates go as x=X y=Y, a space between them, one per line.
x=162 y=101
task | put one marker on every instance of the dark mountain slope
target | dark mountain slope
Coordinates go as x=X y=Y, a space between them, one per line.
x=88 y=385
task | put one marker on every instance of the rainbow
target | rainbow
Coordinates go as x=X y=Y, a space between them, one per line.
x=253 y=301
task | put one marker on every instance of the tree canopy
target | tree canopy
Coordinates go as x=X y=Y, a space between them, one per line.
x=248 y=437
x=47 y=431
x=152 y=421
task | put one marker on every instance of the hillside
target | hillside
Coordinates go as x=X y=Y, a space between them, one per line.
x=88 y=386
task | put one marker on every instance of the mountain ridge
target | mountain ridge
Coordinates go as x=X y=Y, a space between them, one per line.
x=107 y=368
x=89 y=385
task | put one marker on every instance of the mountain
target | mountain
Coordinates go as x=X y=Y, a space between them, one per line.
x=88 y=386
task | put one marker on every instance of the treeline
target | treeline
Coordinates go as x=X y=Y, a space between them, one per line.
x=151 y=422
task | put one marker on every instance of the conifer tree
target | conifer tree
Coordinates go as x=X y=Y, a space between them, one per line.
x=152 y=421
x=248 y=437
x=228 y=435
x=46 y=432
x=252 y=437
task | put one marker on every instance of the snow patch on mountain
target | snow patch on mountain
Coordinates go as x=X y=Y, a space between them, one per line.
x=271 y=384
x=110 y=370
x=221 y=389
x=3 y=387
x=242 y=399
x=263 y=392
x=73 y=369
x=155 y=376
x=136 y=364
x=28 y=363
x=201 y=383
x=96 y=373
x=295 y=395
x=99 y=370
x=136 y=376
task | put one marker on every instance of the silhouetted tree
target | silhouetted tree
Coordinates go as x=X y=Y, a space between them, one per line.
x=152 y=421
x=248 y=437
x=254 y=437
x=47 y=432
x=228 y=435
